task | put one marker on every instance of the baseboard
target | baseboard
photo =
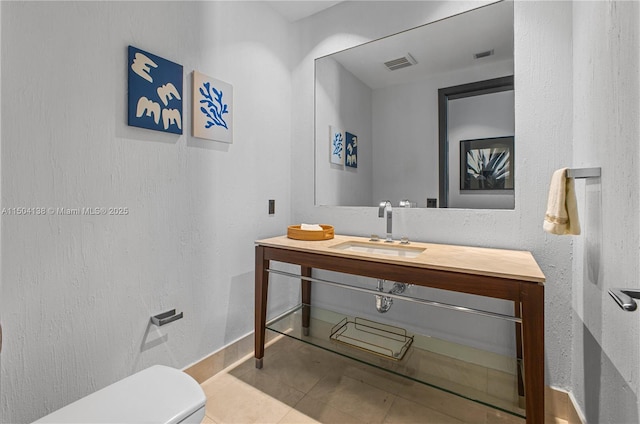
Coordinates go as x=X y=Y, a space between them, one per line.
x=561 y=404
x=576 y=415
x=221 y=359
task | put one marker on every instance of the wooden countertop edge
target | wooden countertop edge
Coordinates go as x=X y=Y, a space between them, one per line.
x=524 y=259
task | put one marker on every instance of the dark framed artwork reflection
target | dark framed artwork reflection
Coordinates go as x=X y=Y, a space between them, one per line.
x=486 y=164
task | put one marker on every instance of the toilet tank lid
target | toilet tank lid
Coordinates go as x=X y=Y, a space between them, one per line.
x=158 y=394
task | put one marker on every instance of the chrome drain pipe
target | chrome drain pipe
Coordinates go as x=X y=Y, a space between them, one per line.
x=383 y=303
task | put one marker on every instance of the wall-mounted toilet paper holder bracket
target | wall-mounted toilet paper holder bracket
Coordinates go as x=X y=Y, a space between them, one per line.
x=166 y=317
x=624 y=298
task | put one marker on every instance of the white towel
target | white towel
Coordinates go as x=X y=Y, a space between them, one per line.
x=562 y=210
x=310 y=227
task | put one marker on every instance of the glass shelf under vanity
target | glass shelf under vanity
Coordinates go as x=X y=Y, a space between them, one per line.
x=484 y=377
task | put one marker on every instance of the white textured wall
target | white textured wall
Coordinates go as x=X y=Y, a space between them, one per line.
x=606 y=91
x=344 y=102
x=543 y=127
x=77 y=291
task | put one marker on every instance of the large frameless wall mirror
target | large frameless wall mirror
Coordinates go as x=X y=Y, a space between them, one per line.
x=384 y=132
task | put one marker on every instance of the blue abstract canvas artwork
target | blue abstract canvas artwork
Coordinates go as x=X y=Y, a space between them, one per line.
x=155 y=92
x=336 y=145
x=351 y=150
x=212 y=108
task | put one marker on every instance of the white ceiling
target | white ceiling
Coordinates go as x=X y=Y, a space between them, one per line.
x=294 y=10
x=439 y=47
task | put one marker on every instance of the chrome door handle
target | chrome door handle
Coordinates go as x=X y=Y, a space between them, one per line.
x=624 y=298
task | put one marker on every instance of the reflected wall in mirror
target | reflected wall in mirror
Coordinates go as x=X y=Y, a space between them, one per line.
x=387 y=92
x=476 y=160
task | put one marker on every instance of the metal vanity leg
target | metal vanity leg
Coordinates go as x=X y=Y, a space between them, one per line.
x=305 y=271
x=261 y=290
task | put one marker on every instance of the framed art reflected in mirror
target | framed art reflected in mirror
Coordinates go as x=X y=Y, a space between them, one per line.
x=486 y=164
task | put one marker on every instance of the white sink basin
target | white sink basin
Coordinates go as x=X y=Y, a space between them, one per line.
x=397 y=250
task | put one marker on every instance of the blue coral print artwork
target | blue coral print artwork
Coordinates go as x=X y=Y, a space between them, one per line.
x=155 y=92
x=212 y=108
x=336 y=145
x=351 y=150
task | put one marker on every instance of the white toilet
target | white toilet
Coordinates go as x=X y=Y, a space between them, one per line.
x=158 y=394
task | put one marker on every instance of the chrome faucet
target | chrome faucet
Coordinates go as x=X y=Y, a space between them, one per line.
x=406 y=204
x=385 y=205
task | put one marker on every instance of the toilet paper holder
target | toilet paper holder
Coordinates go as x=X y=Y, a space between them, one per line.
x=166 y=317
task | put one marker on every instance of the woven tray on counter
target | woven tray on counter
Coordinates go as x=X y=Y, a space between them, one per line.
x=294 y=232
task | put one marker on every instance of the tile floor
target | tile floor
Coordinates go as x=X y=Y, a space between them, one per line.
x=304 y=384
